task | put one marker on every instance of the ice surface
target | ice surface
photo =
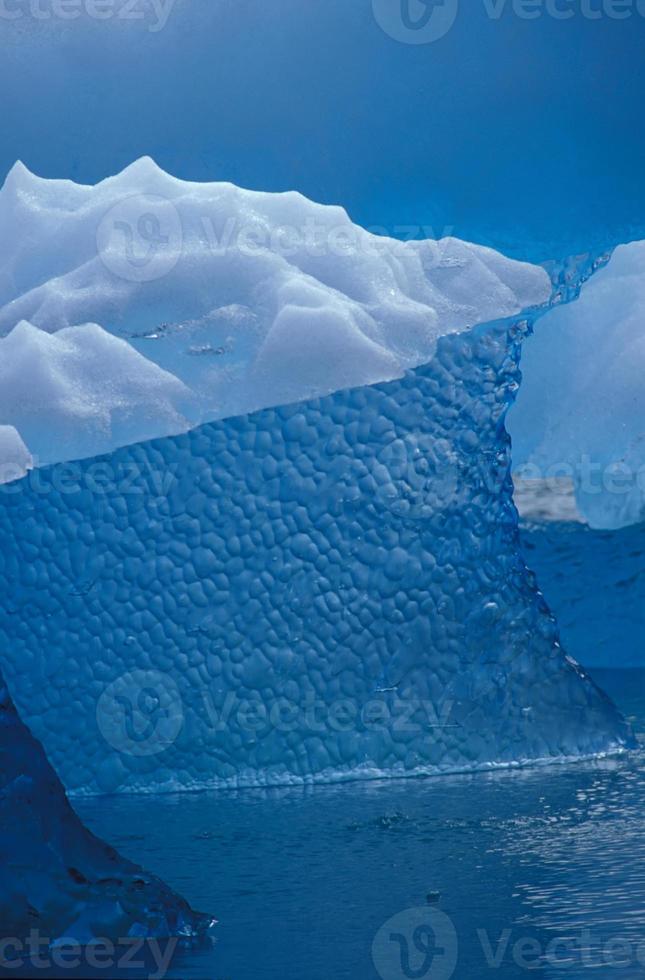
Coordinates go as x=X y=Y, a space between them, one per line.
x=55 y=876
x=323 y=580
x=580 y=410
x=321 y=591
x=82 y=391
x=251 y=299
x=15 y=458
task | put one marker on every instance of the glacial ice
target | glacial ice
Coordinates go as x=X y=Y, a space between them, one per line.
x=579 y=411
x=82 y=391
x=327 y=590
x=55 y=876
x=15 y=458
x=248 y=299
x=321 y=578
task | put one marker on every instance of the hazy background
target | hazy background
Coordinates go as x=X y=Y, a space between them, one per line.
x=526 y=134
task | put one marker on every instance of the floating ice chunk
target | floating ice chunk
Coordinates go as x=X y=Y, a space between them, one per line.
x=580 y=412
x=82 y=391
x=15 y=458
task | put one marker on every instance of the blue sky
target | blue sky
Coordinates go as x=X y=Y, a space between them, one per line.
x=522 y=133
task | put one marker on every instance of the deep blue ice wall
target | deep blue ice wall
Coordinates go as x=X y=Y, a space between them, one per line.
x=326 y=590
x=523 y=132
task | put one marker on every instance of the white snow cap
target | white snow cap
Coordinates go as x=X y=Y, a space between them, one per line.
x=248 y=299
x=82 y=391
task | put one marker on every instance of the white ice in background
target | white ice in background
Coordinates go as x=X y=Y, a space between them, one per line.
x=580 y=411
x=15 y=458
x=249 y=299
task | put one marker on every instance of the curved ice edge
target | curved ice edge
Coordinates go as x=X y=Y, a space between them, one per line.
x=336 y=777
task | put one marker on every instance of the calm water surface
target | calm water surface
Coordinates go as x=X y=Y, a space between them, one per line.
x=541 y=872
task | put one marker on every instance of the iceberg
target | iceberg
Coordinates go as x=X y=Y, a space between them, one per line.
x=321 y=578
x=326 y=590
x=579 y=415
x=59 y=880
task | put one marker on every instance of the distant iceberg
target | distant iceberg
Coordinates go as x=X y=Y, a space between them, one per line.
x=580 y=412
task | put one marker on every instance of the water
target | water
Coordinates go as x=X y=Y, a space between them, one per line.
x=594 y=581
x=303 y=879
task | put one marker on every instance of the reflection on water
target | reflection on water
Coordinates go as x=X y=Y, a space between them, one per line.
x=541 y=872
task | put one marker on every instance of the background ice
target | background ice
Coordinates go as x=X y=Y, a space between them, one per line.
x=580 y=409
